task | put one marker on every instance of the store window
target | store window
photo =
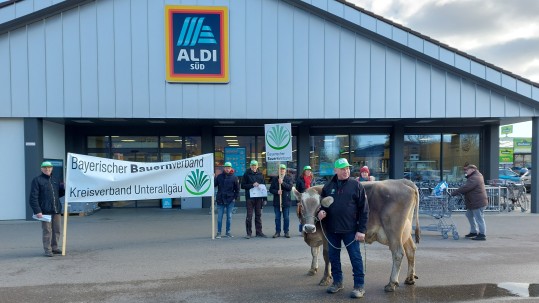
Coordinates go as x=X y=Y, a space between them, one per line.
x=240 y=150
x=422 y=157
x=325 y=150
x=434 y=157
x=371 y=151
x=457 y=150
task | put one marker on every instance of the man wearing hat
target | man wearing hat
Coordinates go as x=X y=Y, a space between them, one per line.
x=253 y=178
x=228 y=190
x=475 y=198
x=45 y=193
x=280 y=188
x=345 y=222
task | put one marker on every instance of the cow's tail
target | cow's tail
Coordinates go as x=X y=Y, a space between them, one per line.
x=417 y=227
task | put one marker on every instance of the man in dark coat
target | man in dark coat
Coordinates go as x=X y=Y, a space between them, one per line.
x=228 y=190
x=45 y=193
x=280 y=188
x=344 y=222
x=475 y=198
x=251 y=179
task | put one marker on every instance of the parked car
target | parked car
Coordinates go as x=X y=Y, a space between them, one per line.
x=527 y=180
x=508 y=175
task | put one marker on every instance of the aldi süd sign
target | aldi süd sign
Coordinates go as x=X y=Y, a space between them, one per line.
x=196 y=44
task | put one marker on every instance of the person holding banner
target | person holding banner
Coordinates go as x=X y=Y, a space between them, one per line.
x=228 y=190
x=45 y=193
x=280 y=188
x=251 y=179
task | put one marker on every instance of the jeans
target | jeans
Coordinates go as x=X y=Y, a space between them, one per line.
x=286 y=218
x=221 y=209
x=337 y=240
x=477 y=220
x=51 y=233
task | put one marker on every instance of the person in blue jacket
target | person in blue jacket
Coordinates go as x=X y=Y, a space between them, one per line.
x=228 y=190
x=345 y=222
x=282 y=200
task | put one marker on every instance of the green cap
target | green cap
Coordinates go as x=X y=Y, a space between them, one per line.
x=282 y=166
x=46 y=164
x=307 y=167
x=228 y=164
x=342 y=163
x=254 y=162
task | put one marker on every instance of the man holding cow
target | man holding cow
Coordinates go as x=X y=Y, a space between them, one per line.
x=345 y=221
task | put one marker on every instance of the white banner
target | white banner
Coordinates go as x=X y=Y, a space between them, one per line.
x=93 y=179
x=278 y=142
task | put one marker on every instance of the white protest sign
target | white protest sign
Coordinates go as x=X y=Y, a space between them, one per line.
x=278 y=142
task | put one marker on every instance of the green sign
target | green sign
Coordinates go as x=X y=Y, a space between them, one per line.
x=522 y=145
x=507 y=129
x=506 y=156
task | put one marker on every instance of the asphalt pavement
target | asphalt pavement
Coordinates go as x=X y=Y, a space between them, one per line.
x=167 y=255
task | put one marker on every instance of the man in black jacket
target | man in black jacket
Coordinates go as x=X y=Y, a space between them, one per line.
x=45 y=193
x=345 y=222
x=228 y=190
x=253 y=178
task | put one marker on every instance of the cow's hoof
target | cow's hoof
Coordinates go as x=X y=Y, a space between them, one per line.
x=411 y=280
x=312 y=271
x=391 y=286
x=325 y=281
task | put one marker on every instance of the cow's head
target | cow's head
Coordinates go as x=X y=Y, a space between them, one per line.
x=309 y=204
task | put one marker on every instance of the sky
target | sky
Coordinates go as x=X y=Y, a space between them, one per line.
x=501 y=32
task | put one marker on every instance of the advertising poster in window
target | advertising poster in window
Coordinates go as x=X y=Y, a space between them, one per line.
x=236 y=156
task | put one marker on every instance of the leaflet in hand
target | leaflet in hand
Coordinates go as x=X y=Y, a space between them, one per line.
x=45 y=218
x=259 y=191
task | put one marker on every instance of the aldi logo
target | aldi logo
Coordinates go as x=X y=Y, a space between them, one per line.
x=196 y=44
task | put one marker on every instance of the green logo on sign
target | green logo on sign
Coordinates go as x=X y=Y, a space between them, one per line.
x=197 y=183
x=278 y=137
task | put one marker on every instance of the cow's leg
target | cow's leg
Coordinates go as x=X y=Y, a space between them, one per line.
x=327 y=278
x=315 y=251
x=397 y=252
x=410 y=248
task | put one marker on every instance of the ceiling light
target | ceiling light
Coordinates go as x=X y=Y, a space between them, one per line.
x=425 y=121
x=83 y=121
x=226 y=122
x=157 y=121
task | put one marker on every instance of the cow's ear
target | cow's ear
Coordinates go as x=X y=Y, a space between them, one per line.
x=327 y=201
x=318 y=188
x=296 y=193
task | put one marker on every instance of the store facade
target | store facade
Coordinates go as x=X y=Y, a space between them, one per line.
x=99 y=78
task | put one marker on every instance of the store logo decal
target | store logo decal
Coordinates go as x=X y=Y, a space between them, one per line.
x=194 y=32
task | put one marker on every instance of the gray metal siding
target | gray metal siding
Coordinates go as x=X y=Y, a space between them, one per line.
x=106 y=59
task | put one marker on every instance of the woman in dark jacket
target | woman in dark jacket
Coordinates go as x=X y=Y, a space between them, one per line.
x=303 y=183
x=281 y=201
x=228 y=190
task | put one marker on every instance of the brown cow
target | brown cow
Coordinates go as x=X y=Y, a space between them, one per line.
x=392 y=205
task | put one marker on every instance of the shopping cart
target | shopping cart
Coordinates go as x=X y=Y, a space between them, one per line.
x=440 y=208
